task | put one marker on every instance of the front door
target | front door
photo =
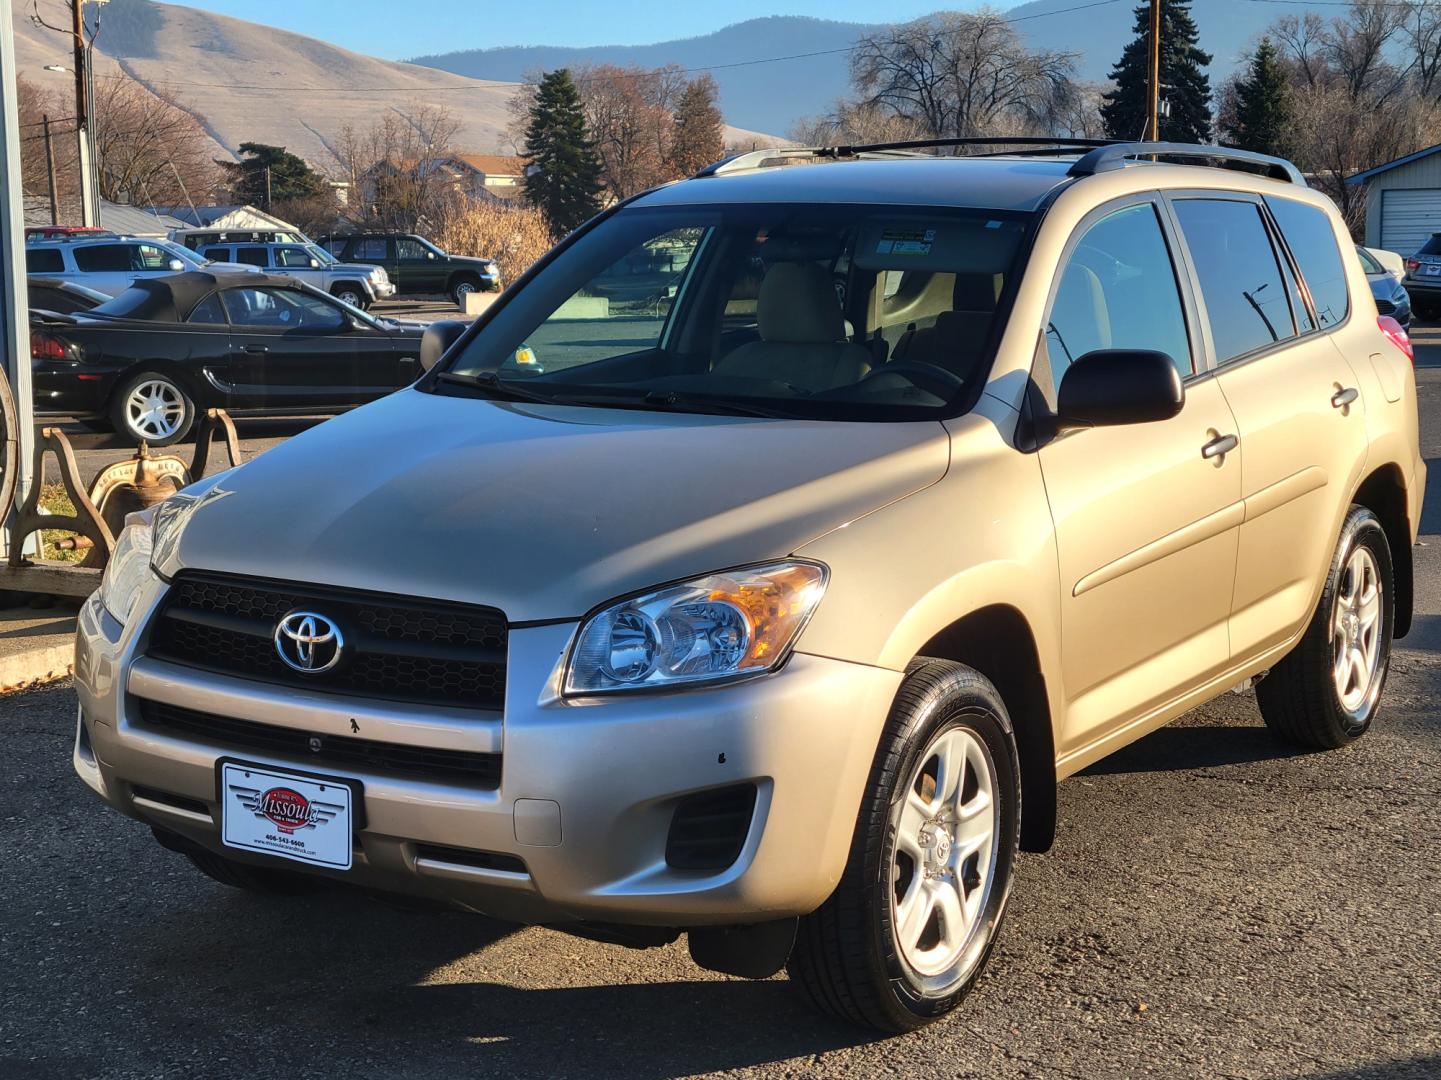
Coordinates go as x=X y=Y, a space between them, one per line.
x=292 y=350
x=1294 y=395
x=421 y=270
x=1146 y=515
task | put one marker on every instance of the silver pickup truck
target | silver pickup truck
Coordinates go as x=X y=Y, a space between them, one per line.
x=354 y=283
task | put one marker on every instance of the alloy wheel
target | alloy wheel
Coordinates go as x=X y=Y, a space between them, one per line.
x=154 y=409
x=1356 y=632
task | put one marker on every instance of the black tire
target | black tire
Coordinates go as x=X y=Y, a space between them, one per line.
x=1300 y=698
x=846 y=956
x=352 y=294
x=1425 y=310
x=124 y=422
x=460 y=286
x=253 y=878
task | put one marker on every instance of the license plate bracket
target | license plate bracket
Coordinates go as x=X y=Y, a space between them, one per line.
x=290 y=814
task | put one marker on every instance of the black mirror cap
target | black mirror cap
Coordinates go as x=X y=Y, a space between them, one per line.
x=438 y=337
x=1107 y=387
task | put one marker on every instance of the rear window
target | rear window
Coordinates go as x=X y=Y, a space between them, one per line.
x=44 y=261
x=1312 y=241
x=1432 y=246
x=103 y=258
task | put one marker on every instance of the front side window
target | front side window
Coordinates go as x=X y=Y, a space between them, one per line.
x=292 y=257
x=1239 y=275
x=1118 y=291
x=408 y=250
x=208 y=310
x=773 y=309
x=1312 y=241
x=150 y=257
x=282 y=309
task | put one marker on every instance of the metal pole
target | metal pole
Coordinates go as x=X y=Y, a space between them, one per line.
x=1153 y=91
x=14 y=306
x=50 y=173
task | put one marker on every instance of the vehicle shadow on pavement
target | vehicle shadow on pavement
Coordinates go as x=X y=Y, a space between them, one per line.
x=1195 y=746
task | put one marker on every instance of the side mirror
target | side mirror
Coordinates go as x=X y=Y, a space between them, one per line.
x=1107 y=387
x=176 y=265
x=430 y=254
x=438 y=337
x=315 y=264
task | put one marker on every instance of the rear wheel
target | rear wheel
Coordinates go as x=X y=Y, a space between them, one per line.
x=907 y=932
x=1325 y=692
x=153 y=408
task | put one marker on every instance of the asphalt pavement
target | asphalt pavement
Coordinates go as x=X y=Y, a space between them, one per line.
x=1216 y=905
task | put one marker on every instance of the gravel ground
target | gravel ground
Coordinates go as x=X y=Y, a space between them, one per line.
x=1215 y=906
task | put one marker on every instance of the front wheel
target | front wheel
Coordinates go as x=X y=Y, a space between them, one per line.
x=907 y=932
x=152 y=407
x=1325 y=692
x=352 y=295
x=462 y=288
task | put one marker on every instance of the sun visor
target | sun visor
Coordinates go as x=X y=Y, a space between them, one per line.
x=970 y=245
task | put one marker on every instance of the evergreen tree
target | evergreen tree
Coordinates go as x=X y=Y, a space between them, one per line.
x=289 y=176
x=699 y=129
x=563 y=172
x=1263 y=104
x=1185 y=86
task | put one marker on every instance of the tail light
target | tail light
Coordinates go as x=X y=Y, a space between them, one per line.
x=1397 y=336
x=1412 y=265
x=45 y=346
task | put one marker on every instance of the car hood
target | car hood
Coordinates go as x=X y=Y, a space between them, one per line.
x=544 y=511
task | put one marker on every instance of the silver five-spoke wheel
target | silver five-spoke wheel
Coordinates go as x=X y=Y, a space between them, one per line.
x=944 y=859
x=154 y=409
x=1356 y=631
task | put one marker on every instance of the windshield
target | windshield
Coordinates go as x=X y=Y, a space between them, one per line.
x=808 y=311
x=325 y=258
x=184 y=254
x=1368 y=262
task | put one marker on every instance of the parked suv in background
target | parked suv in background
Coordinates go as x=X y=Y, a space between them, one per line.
x=198 y=238
x=417 y=266
x=111 y=264
x=794 y=591
x=356 y=284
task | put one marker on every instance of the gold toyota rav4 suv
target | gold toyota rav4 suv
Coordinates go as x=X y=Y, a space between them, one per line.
x=755 y=567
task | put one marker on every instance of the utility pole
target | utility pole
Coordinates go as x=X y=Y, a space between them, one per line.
x=88 y=208
x=50 y=172
x=267 y=189
x=1153 y=90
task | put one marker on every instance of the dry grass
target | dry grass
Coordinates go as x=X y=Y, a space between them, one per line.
x=515 y=236
x=55 y=500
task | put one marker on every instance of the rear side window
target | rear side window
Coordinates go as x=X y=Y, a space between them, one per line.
x=1312 y=241
x=1432 y=246
x=103 y=258
x=369 y=250
x=1118 y=291
x=217 y=254
x=1239 y=274
x=44 y=261
x=208 y=310
x=255 y=256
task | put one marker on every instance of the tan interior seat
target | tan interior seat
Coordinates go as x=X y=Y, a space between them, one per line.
x=802 y=331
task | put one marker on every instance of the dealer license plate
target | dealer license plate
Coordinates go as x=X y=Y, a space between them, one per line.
x=1432 y=269
x=304 y=818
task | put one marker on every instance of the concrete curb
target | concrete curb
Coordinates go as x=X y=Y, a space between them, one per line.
x=33 y=667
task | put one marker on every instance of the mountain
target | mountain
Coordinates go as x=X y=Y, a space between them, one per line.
x=251 y=83
x=772 y=96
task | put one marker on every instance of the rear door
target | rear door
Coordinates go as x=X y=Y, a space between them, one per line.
x=1298 y=412
x=375 y=251
x=106 y=267
x=1146 y=515
x=293 y=350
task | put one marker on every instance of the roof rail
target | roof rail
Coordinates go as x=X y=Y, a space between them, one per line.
x=1115 y=155
x=1040 y=145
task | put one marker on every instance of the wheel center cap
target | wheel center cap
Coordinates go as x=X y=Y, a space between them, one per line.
x=936 y=839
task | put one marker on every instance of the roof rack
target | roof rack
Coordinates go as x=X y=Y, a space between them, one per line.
x=1040 y=145
x=1115 y=155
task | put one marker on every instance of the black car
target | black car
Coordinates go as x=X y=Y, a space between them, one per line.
x=63 y=297
x=254 y=344
x=415 y=265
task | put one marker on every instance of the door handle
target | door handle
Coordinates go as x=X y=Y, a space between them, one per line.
x=1221 y=444
x=1341 y=398
x=257 y=348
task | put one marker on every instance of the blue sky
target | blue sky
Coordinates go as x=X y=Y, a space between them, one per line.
x=413 y=27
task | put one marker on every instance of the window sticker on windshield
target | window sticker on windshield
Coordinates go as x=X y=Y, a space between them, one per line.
x=906 y=241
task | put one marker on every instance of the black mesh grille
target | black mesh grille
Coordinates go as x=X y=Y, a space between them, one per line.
x=397 y=648
x=710 y=828
x=340 y=752
x=1385 y=307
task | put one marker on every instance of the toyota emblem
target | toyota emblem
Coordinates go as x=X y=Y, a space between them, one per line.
x=308 y=642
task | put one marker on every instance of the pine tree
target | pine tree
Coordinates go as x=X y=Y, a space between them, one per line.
x=1263 y=104
x=699 y=129
x=1185 y=86
x=289 y=177
x=563 y=172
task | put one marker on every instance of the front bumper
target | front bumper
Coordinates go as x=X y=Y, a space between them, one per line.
x=587 y=790
x=383 y=290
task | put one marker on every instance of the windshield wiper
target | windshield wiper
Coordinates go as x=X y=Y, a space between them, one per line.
x=490 y=384
x=669 y=399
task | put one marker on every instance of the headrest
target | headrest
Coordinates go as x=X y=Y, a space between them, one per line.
x=975 y=292
x=798 y=305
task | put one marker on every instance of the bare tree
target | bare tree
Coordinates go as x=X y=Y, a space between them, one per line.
x=149 y=149
x=399 y=168
x=850 y=123
x=1423 y=37
x=1355 y=47
x=959 y=74
x=1302 y=41
x=629 y=114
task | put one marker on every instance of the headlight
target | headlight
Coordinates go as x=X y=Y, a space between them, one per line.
x=128 y=568
x=726 y=625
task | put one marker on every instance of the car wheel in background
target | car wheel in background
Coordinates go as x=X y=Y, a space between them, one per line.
x=353 y=295
x=463 y=287
x=1324 y=693
x=152 y=407
x=906 y=933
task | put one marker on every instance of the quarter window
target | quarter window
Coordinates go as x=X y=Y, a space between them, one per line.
x=1312 y=241
x=208 y=311
x=1118 y=291
x=1239 y=274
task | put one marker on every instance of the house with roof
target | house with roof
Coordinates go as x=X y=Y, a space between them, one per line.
x=227 y=218
x=479 y=176
x=1403 y=200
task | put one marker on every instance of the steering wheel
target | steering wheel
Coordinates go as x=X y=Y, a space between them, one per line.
x=928 y=377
